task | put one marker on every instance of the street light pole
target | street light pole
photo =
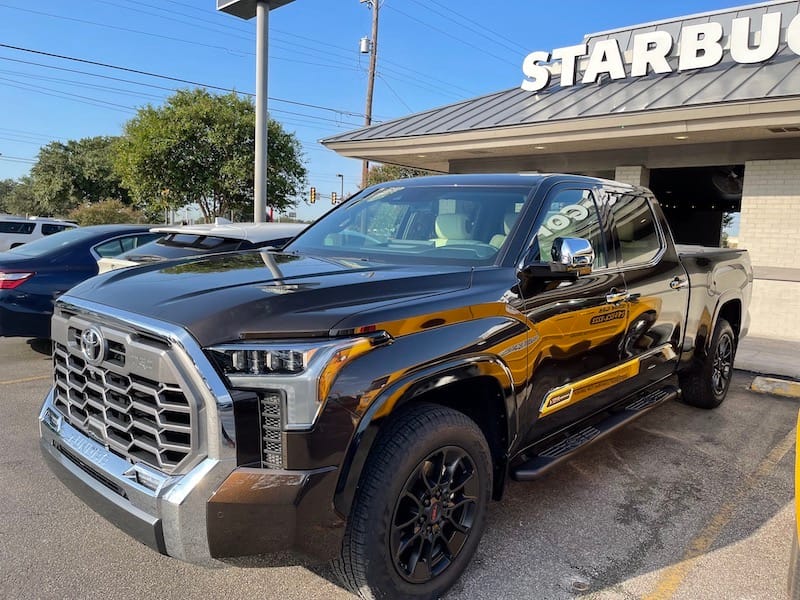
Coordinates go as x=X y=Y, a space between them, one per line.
x=262 y=118
x=247 y=9
x=341 y=177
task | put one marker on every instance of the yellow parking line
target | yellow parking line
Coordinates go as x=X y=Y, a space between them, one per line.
x=25 y=379
x=673 y=577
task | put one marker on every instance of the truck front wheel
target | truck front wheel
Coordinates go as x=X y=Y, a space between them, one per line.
x=706 y=384
x=420 y=508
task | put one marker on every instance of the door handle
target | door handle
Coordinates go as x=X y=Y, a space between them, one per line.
x=679 y=283
x=615 y=296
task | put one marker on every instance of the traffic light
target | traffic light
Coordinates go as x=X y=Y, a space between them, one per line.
x=333 y=197
x=313 y=195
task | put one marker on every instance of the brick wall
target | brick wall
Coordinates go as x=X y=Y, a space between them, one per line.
x=770 y=231
x=770 y=219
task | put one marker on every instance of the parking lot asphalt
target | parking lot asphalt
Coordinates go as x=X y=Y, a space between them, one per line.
x=682 y=504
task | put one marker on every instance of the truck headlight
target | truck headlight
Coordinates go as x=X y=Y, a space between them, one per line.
x=300 y=372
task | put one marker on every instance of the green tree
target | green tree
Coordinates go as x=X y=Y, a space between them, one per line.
x=106 y=211
x=68 y=175
x=381 y=173
x=199 y=148
x=6 y=187
x=17 y=197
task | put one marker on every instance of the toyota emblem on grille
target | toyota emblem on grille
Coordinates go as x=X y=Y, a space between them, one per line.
x=93 y=346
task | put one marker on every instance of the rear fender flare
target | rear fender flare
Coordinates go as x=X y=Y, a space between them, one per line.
x=703 y=348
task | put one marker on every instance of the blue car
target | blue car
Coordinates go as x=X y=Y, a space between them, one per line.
x=32 y=276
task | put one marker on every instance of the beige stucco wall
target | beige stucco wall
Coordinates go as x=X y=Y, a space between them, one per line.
x=770 y=230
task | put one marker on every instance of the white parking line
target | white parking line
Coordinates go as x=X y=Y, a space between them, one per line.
x=25 y=379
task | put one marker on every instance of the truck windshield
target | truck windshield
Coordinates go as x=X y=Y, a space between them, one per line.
x=418 y=224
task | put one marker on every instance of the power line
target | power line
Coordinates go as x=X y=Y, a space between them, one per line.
x=448 y=34
x=28 y=134
x=83 y=84
x=158 y=76
x=127 y=29
x=328 y=65
x=20 y=141
x=18 y=159
x=182 y=20
x=481 y=27
x=68 y=96
x=145 y=95
x=327 y=46
x=175 y=39
x=396 y=95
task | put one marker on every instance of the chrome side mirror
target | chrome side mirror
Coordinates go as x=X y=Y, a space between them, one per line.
x=574 y=254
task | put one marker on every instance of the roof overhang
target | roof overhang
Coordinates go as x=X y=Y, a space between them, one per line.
x=733 y=121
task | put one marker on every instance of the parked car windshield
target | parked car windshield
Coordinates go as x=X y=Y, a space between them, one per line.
x=442 y=224
x=53 y=242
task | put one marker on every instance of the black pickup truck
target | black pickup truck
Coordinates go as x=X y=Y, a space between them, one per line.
x=362 y=395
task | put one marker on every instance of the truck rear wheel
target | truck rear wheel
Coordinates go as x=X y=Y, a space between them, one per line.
x=706 y=384
x=420 y=508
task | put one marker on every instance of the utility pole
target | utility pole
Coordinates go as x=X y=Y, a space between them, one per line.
x=341 y=177
x=373 y=59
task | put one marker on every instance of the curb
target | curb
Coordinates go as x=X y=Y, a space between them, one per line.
x=776 y=387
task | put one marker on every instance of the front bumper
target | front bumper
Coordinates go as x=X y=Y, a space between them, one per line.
x=213 y=511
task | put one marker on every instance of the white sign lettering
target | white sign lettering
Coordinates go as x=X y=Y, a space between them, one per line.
x=700 y=46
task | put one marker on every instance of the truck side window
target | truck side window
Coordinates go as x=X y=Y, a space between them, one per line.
x=570 y=213
x=638 y=239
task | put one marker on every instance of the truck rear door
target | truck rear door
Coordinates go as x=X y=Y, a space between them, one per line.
x=656 y=287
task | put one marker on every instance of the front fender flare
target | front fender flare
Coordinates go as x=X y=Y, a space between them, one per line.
x=405 y=390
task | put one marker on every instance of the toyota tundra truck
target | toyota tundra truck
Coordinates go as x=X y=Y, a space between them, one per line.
x=363 y=394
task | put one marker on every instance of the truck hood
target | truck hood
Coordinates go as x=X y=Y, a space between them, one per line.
x=258 y=293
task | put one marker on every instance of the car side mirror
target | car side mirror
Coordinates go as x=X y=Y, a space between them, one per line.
x=573 y=254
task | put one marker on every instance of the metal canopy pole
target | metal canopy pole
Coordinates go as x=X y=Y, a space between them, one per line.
x=262 y=119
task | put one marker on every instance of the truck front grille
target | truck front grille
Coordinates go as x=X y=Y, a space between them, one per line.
x=140 y=418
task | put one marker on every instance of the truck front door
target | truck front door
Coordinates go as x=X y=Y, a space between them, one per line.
x=577 y=325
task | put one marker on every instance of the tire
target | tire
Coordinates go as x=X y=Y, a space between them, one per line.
x=390 y=510
x=706 y=384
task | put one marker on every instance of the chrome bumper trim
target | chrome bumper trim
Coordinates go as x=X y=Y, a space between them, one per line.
x=170 y=518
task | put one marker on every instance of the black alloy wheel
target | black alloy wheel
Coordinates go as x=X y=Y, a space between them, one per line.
x=420 y=506
x=433 y=517
x=722 y=365
x=706 y=383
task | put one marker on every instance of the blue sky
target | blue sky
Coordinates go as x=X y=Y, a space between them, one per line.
x=431 y=53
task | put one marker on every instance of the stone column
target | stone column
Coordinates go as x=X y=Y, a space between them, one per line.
x=633 y=174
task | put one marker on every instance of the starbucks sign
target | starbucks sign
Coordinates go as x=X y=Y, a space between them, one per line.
x=700 y=46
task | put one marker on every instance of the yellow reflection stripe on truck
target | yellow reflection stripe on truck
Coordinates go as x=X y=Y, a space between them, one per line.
x=569 y=394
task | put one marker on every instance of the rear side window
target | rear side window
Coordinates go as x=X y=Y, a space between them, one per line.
x=123 y=244
x=636 y=229
x=50 y=228
x=20 y=227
